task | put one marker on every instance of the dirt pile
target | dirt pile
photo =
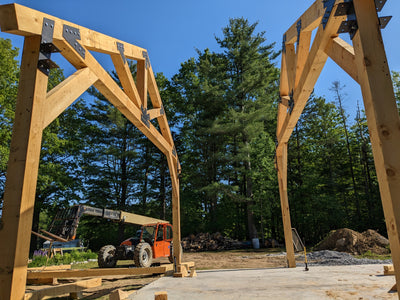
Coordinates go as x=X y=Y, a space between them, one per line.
x=210 y=242
x=350 y=241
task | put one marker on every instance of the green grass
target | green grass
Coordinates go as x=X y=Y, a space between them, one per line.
x=58 y=259
x=371 y=255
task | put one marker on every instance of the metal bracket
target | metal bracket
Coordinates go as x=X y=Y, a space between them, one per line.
x=284 y=43
x=350 y=25
x=162 y=111
x=147 y=58
x=383 y=21
x=145 y=116
x=298 y=27
x=379 y=4
x=47 y=47
x=174 y=151
x=291 y=103
x=345 y=8
x=328 y=5
x=72 y=35
x=121 y=50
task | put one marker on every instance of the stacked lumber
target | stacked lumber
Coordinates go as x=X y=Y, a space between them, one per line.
x=210 y=242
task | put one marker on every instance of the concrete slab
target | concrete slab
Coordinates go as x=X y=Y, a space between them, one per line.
x=320 y=282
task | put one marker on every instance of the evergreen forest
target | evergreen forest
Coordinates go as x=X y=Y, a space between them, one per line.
x=221 y=106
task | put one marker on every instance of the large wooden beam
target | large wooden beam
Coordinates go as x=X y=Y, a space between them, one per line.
x=283 y=92
x=22 y=20
x=68 y=288
x=100 y=272
x=303 y=49
x=176 y=225
x=382 y=117
x=343 y=55
x=65 y=93
x=311 y=71
x=157 y=103
x=125 y=76
x=22 y=170
x=110 y=89
x=281 y=158
x=309 y=21
x=141 y=81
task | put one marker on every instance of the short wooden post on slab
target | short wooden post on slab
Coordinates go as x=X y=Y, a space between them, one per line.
x=119 y=295
x=161 y=295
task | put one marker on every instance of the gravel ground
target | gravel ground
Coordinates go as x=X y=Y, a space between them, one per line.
x=334 y=258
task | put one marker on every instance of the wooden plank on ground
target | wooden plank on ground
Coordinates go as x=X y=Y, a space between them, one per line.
x=388 y=270
x=55 y=291
x=50 y=281
x=101 y=272
x=50 y=268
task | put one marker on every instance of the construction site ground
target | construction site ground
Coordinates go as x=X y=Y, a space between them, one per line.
x=250 y=274
x=320 y=282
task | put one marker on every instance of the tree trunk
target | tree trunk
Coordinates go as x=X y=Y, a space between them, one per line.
x=252 y=230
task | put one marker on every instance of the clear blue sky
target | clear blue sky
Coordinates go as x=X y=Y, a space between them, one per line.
x=172 y=30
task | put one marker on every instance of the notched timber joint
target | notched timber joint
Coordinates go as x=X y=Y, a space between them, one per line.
x=178 y=169
x=291 y=103
x=147 y=58
x=284 y=100
x=47 y=47
x=145 y=117
x=72 y=35
x=121 y=50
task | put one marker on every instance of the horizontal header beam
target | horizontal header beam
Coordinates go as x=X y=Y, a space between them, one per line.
x=21 y=20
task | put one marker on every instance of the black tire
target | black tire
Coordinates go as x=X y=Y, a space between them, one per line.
x=106 y=257
x=171 y=254
x=143 y=255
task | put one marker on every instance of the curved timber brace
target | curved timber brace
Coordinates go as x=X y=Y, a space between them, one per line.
x=365 y=61
x=36 y=108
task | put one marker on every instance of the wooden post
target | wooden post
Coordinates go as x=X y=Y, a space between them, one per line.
x=161 y=295
x=382 y=117
x=19 y=194
x=176 y=216
x=141 y=81
x=281 y=157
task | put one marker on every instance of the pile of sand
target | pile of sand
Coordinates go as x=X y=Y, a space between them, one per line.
x=350 y=241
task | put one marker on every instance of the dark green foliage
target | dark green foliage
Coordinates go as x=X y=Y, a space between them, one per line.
x=226 y=103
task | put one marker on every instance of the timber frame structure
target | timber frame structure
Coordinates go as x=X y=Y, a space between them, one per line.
x=36 y=108
x=365 y=61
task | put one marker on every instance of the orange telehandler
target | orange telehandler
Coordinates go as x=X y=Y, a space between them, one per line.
x=153 y=240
